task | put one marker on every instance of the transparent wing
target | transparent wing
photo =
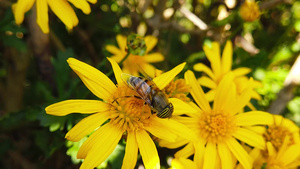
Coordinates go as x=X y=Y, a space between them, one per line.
x=142 y=91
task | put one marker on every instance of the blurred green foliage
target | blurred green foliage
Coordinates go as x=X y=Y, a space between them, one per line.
x=31 y=138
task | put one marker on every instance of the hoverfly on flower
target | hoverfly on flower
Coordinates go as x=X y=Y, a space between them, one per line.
x=150 y=93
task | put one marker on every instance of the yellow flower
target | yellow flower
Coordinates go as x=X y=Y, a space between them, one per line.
x=177 y=89
x=125 y=115
x=249 y=11
x=286 y=157
x=130 y=64
x=280 y=128
x=283 y=146
x=219 y=68
x=220 y=128
x=61 y=8
x=182 y=163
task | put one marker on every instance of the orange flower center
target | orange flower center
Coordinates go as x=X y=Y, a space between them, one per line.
x=276 y=135
x=177 y=89
x=273 y=163
x=216 y=126
x=130 y=112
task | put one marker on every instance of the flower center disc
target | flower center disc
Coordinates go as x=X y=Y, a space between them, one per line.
x=276 y=135
x=131 y=112
x=216 y=126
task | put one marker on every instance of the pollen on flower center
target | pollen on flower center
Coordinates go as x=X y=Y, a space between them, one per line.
x=216 y=126
x=177 y=89
x=130 y=111
x=276 y=135
x=273 y=163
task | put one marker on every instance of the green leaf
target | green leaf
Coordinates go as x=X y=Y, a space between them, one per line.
x=116 y=157
x=297 y=25
x=73 y=148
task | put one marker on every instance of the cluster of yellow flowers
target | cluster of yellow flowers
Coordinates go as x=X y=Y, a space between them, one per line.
x=213 y=131
x=249 y=11
x=61 y=8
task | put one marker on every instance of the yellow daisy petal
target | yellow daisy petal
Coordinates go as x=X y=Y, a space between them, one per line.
x=20 y=8
x=92 y=140
x=257 y=129
x=227 y=57
x=81 y=4
x=251 y=106
x=164 y=79
x=64 y=12
x=181 y=107
x=287 y=123
x=194 y=105
x=255 y=96
x=118 y=58
x=210 y=95
x=117 y=71
x=291 y=154
x=210 y=156
x=42 y=15
x=97 y=82
x=156 y=129
x=148 y=150
x=253 y=118
x=122 y=42
x=149 y=69
x=225 y=94
x=187 y=151
x=150 y=42
x=188 y=121
x=271 y=149
x=77 y=106
x=114 y=50
x=255 y=153
x=200 y=67
x=244 y=98
x=175 y=127
x=173 y=145
x=251 y=138
x=131 y=151
x=92 y=1
x=239 y=152
x=225 y=155
x=153 y=57
x=87 y=125
x=182 y=163
x=103 y=146
x=196 y=91
x=207 y=82
x=241 y=71
x=199 y=153
x=283 y=148
x=213 y=55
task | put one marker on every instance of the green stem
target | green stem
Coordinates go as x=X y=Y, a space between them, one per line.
x=121 y=62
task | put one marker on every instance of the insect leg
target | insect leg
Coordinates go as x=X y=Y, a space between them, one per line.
x=115 y=100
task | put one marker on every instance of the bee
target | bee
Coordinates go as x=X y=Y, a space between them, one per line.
x=151 y=94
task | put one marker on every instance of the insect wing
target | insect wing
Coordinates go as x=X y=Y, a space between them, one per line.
x=126 y=78
x=142 y=71
x=150 y=80
x=139 y=85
